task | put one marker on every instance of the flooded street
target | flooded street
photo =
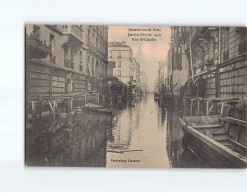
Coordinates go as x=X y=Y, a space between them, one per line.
x=140 y=135
x=146 y=136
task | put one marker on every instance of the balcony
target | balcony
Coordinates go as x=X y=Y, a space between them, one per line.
x=242 y=48
x=69 y=63
x=73 y=30
x=36 y=48
x=97 y=49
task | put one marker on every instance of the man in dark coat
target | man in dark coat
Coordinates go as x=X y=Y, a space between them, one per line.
x=200 y=86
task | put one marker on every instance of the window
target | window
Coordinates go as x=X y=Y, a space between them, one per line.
x=243 y=40
x=97 y=42
x=119 y=64
x=64 y=26
x=52 y=42
x=36 y=31
x=119 y=73
x=80 y=55
x=226 y=35
x=88 y=35
x=92 y=66
x=80 y=60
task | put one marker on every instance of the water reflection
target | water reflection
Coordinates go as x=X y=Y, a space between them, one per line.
x=141 y=135
x=138 y=137
x=179 y=156
x=148 y=135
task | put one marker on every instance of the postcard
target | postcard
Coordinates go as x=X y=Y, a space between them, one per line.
x=135 y=96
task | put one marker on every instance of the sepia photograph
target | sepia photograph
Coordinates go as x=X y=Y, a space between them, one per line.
x=135 y=96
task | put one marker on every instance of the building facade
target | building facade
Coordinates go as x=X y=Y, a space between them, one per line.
x=97 y=54
x=65 y=59
x=162 y=74
x=218 y=54
x=126 y=66
x=143 y=80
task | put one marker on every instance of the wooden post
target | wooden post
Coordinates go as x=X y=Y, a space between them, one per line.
x=191 y=107
x=98 y=98
x=54 y=109
x=50 y=82
x=207 y=107
x=71 y=103
x=238 y=132
x=222 y=108
x=217 y=83
x=227 y=125
x=198 y=107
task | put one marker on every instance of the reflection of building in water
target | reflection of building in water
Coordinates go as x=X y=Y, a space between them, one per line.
x=121 y=132
x=174 y=134
x=82 y=143
x=179 y=157
x=125 y=125
x=161 y=116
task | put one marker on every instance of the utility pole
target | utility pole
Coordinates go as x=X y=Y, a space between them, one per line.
x=191 y=64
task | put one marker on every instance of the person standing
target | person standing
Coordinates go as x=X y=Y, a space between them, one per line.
x=200 y=86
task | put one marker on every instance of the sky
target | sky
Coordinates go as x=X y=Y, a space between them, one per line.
x=147 y=53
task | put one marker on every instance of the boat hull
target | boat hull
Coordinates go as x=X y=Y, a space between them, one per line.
x=214 y=154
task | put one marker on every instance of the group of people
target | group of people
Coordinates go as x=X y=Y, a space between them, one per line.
x=194 y=88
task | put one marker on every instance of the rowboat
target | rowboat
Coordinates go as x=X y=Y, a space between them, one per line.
x=219 y=141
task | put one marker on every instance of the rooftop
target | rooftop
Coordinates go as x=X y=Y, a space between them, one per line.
x=117 y=44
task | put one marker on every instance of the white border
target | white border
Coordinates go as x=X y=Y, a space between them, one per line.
x=15 y=14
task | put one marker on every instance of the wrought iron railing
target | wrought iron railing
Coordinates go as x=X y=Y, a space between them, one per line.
x=97 y=49
x=34 y=41
x=69 y=63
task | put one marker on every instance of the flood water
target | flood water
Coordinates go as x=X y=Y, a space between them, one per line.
x=138 y=136
x=144 y=135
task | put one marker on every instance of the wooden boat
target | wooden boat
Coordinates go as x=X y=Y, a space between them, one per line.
x=219 y=141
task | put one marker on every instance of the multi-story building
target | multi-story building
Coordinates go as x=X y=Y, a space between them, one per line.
x=97 y=53
x=162 y=74
x=64 y=58
x=143 y=81
x=136 y=75
x=126 y=67
x=177 y=69
x=219 y=54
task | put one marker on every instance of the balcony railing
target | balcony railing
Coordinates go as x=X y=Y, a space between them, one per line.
x=97 y=49
x=69 y=63
x=74 y=30
x=34 y=42
x=243 y=47
x=77 y=31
